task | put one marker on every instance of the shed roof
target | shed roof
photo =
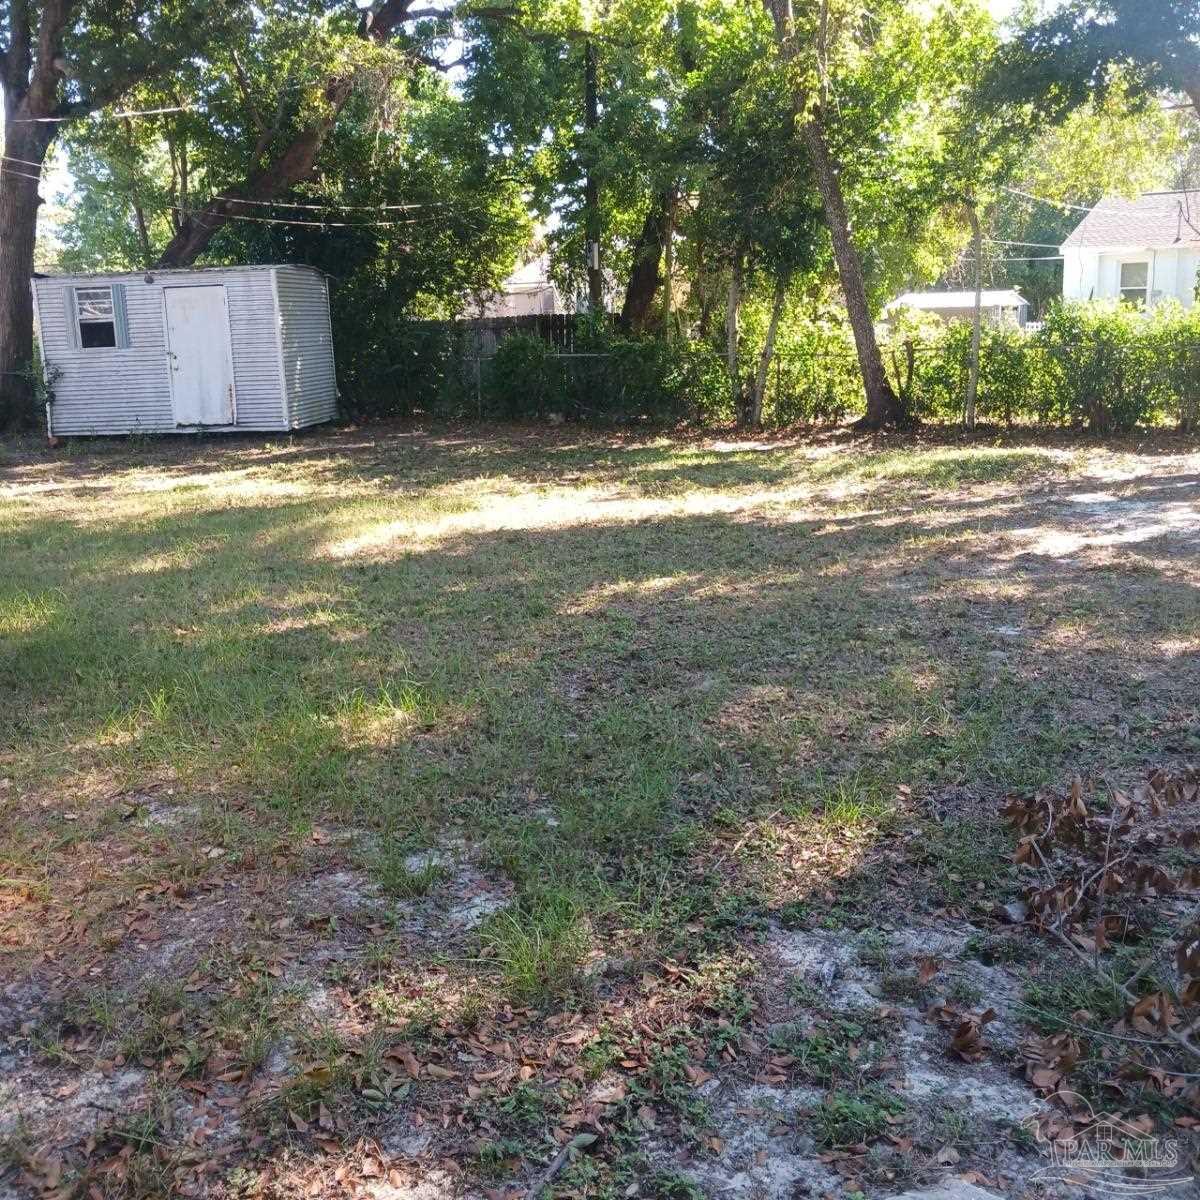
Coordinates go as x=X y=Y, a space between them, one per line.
x=1153 y=220
x=992 y=298
x=156 y=271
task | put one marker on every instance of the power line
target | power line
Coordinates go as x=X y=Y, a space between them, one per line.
x=334 y=206
x=1022 y=258
x=283 y=221
x=21 y=175
x=1036 y=245
x=139 y=112
x=25 y=162
x=1053 y=203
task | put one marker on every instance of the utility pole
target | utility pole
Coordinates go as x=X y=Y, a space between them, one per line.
x=591 y=187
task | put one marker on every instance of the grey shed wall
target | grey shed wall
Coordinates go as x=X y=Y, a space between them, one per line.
x=112 y=390
x=306 y=345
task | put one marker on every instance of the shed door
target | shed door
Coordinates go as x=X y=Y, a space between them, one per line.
x=199 y=354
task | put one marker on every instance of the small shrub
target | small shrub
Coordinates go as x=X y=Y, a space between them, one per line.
x=538 y=950
x=851 y=1118
x=404 y=875
x=1100 y=366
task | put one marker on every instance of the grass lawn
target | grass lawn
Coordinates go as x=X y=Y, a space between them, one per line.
x=388 y=810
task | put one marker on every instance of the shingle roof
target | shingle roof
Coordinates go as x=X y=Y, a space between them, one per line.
x=1005 y=298
x=1156 y=219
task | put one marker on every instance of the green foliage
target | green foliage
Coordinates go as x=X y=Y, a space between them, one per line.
x=851 y=1118
x=1102 y=367
x=539 y=950
x=814 y=379
x=610 y=376
x=37 y=392
x=391 y=366
x=1098 y=366
x=1082 y=48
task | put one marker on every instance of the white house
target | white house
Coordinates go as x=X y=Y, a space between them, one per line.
x=528 y=291
x=1144 y=250
x=998 y=306
x=218 y=349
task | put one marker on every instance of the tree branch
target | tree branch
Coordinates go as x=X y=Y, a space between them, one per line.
x=247 y=95
x=289 y=165
x=422 y=14
x=46 y=72
x=16 y=58
x=1180 y=1039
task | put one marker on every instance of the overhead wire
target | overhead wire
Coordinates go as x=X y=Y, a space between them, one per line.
x=196 y=214
x=1036 y=245
x=1060 y=204
x=25 y=162
x=1021 y=258
x=419 y=218
x=142 y=112
x=334 y=206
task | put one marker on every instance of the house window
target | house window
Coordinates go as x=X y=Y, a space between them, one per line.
x=97 y=317
x=1135 y=282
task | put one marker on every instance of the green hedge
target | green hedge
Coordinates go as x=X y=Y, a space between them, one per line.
x=607 y=377
x=1099 y=367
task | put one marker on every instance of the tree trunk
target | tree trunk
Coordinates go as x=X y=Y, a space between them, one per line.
x=591 y=183
x=764 y=359
x=643 y=275
x=1191 y=88
x=883 y=406
x=30 y=73
x=669 y=263
x=976 y=318
x=139 y=216
x=732 y=314
x=27 y=141
x=704 y=317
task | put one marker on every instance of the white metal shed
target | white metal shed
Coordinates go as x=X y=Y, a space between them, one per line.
x=219 y=349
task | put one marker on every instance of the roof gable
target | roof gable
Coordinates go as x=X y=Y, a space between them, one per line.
x=1154 y=220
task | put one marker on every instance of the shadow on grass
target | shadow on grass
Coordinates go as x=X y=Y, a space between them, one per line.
x=669 y=729
x=224 y=643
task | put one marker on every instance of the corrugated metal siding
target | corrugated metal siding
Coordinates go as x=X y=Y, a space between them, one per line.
x=308 y=367
x=128 y=391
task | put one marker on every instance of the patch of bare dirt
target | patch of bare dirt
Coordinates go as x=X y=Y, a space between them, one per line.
x=67 y=1086
x=761 y=1153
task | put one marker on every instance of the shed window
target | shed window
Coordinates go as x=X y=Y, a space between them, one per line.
x=97 y=317
x=1135 y=281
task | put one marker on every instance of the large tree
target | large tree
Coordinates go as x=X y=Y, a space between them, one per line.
x=874 y=90
x=1080 y=47
x=60 y=60
x=280 y=124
